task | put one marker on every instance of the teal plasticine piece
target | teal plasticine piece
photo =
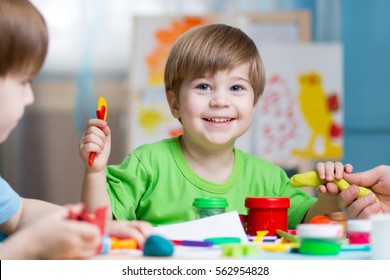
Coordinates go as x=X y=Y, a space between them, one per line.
x=158 y=246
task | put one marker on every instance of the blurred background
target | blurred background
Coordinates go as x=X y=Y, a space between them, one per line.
x=91 y=54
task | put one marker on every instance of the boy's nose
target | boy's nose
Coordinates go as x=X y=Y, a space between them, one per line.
x=219 y=100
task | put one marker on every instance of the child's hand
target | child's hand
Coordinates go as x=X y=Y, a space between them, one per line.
x=96 y=138
x=56 y=237
x=138 y=230
x=329 y=171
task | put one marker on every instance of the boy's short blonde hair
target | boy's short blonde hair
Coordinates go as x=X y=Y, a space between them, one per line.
x=23 y=38
x=210 y=48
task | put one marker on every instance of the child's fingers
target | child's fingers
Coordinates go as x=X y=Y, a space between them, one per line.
x=103 y=132
x=94 y=130
x=107 y=132
x=137 y=236
x=348 y=168
x=86 y=233
x=338 y=170
x=329 y=171
x=120 y=228
x=93 y=143
x=320 y=168
x=332 y=188
x=96 y=122
x=137 y=230
x=321 y=189
x=332 y=170
x=144 y=227
x=93 y=140
x=74 y=209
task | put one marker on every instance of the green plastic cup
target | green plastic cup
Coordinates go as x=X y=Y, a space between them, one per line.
x=209 y=206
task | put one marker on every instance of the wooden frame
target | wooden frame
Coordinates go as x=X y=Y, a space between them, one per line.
x=301 y=18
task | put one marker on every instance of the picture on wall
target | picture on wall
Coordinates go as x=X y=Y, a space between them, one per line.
x=300 y=115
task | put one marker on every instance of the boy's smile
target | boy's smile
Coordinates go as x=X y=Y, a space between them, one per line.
x=218 y=121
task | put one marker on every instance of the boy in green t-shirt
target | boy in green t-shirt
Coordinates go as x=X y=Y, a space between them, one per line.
x=214 y=77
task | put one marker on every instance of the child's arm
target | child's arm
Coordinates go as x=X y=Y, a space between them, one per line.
x=321 y=207
x=30 y=210
x=96 y=138
x=36 y=234
x=52 y=236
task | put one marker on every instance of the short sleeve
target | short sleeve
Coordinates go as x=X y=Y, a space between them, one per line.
x=10 y=201
x=126 y=183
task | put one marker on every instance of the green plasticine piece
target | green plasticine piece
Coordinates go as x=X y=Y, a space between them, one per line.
x=250 y=249
x=238 y=250
x=232 y=250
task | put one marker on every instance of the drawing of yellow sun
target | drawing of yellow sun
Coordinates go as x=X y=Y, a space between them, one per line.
x=151 y=117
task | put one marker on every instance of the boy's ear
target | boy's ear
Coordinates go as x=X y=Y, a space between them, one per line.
x=173 y=103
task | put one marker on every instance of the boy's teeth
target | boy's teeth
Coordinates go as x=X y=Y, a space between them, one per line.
x=218 y=119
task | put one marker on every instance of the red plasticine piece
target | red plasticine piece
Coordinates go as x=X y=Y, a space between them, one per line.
x=320 y=219
x=97 y=218
x=91 y=158
x=98 y=114
x=103 y=112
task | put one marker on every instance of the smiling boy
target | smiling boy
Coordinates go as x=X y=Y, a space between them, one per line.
x=214 y=77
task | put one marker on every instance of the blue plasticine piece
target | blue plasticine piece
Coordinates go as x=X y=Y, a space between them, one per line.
x=158 y=246
x=105 y=248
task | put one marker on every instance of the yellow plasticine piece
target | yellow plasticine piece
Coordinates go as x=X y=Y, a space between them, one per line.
x=284 y=247
x=102 y=102
x=311 y=179
x=260 y=235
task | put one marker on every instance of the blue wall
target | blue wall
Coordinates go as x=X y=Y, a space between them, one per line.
x=366 y=40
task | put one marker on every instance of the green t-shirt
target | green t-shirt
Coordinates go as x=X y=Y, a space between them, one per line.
x=155 y=183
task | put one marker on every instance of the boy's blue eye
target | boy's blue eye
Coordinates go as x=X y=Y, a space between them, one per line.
x=236 y=88
x=203 y=87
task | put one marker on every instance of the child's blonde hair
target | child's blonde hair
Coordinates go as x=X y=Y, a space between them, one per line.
x=23 y=38
x=210 y=48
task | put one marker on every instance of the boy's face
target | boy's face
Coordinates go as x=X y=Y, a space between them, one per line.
x=215 y=110
x=15 y=95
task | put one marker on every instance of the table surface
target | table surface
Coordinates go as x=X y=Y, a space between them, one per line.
x=215 y=253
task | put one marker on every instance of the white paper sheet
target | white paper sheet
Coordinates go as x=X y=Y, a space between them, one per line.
x=222 y=225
